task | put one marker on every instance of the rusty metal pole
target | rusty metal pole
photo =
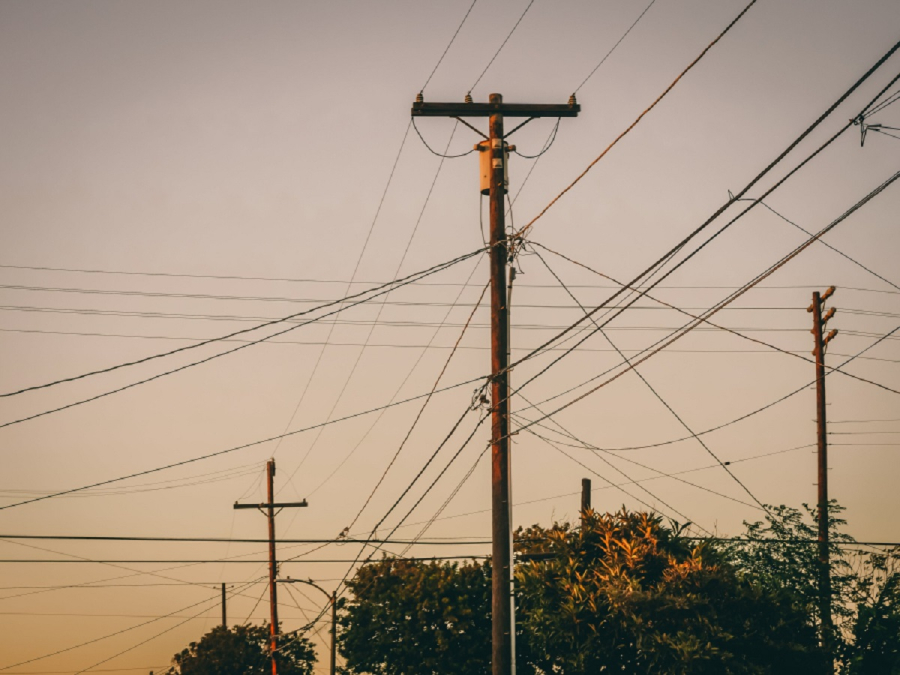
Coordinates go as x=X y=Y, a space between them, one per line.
x=585 y=498
x=822 y=508
x=273 y=592
x=501 y=657
x=333 y=664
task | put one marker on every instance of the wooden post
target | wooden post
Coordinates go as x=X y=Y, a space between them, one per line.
x=502 y=658
x=273 y=587
x=585 y=498
x=269 y=510
x=827 y=624
x=333 y=668
x=500 y=520
x=224 y=614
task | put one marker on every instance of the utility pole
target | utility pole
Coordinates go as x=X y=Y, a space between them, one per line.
x=332 y=598
x=819 y=321
x=585 y=498
x=269 y=510
x=494 y=156
x=224 y=614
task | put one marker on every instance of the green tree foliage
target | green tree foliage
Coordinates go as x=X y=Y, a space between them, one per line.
x=865 y=585
x=243 y=650
x=413 y=617
x=625 y=593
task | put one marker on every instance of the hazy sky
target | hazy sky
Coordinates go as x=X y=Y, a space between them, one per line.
x=216 y=164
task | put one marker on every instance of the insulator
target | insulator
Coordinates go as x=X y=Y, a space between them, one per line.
x=572 y=100
x=420 y=97
x=469 y=97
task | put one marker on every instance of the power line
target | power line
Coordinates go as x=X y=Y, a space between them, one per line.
x=524 y=230
x=449 y=44
x=502 y=45
x=654 y=391
x=656 y=266
x=224 y=540
x=381 y=290
x=615 y=46
x=773 y=268
x=185 y=367
x=227 y=450
x=359 y=355
x=337 y=281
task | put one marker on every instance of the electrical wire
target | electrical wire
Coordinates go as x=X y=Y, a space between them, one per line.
x=359 y=355
x=656 y=266
x=615 y=46
x=418 y=415
x=655 y=392
x=227 y=450
x=550 y=140
x=449 y=44
x=381 y=290
x=359 y=259
x=771 y=270
x=196 y=363
x=502 y=45
x=143 y=642
x=521 y=233
x=435 y=152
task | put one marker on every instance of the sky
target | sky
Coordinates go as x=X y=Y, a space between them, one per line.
x=174 y=172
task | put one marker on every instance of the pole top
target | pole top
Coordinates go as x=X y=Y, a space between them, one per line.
x=495 y=98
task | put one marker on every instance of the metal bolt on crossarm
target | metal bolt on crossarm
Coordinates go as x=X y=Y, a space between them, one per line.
x=495 y=153
x=268 y=508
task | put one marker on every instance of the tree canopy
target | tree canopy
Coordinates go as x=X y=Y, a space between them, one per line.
x=243 y=650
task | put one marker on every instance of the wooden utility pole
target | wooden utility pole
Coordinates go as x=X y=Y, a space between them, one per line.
x=494 y=172
x=269 y=510
x=333 y=661
x=585 y=498
x=224 y=614
x=819 y=321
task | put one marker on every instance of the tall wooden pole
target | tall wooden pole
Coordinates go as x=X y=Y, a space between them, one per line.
x=827 y=624
x=502 y=658
x=500 y=521
x=268 y=508
x=273 y=587
x=224 y=613
x=333 y=662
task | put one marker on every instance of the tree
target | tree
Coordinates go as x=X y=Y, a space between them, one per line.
x=417 y=617
x=625 y=593
x=622 y=593
x=243 y=650
x=782 y=556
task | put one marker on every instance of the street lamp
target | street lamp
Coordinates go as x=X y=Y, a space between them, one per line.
x=332 y=599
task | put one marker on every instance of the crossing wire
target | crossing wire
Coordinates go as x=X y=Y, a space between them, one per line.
x=656 y=266
x=51 y=411
x=784 y=260
x=658 y=396
x=521 y=233
x=615 y=46
x=381 y=290
x=368 y=337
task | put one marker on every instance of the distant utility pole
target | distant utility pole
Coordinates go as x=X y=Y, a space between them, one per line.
x=224 y=614
x=269 y=510
x=585 y=498
x=494 y=153
x=819 y=321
